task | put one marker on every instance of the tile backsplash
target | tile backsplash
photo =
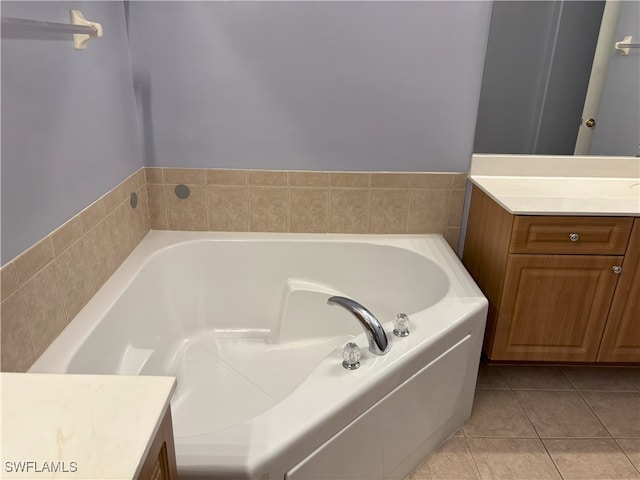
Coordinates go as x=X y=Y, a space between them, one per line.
x=307 y=202
x=46 y=286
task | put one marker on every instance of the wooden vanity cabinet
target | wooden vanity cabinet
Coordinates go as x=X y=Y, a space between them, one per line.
x=621 y=339
x=551 y=282
x=160 y=463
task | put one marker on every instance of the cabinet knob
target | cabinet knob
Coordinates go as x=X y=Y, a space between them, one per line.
x=617 y=269
x=574 y=237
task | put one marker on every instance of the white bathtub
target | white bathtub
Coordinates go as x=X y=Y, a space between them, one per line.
x=242 y=321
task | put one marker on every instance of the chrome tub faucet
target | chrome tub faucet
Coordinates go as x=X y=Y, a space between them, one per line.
x=378 y=342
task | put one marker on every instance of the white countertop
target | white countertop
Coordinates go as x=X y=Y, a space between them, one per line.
x=560 y=185
x=84 y=426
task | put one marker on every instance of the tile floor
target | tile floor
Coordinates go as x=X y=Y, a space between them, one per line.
x=531 y=423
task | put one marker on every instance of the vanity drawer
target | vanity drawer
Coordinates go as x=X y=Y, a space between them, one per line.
x=570 y=235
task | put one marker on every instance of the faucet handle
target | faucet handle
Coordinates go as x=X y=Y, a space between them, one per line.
x=401 y=325
x=351 y=356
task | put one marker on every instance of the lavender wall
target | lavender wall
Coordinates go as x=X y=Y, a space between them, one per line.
x=309 y=85
x=68 y=121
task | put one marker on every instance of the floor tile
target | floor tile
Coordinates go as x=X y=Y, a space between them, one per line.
x=452 y=461
x=512 y=458
x=602 y=378
x=590 y=459
x=490 y=377
x=497 y=413
x=536 y=378
x=619 y=412
x=560 y=414
x=631 y=448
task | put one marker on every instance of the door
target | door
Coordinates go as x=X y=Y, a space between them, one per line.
x=611 y=115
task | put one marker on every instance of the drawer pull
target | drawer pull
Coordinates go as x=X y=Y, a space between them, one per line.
x=617 y=269
x=574 y=237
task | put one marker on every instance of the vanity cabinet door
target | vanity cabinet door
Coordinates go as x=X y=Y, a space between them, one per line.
x=554 y=307
x=621 y=339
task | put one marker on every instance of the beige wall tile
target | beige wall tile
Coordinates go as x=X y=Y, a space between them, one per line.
x=309 y=210
x=428 y=211
x=452 y=236
x=590 y=458
x=455 y=208
x=92 y=215
x=136 y=220
x=114 y=198
x=268 y=209
x=187 y=176
x=226 y=177
x=157 y=207
x=140 y=178
x=389 y=210
x=560 y=414
x=153 y=175
x=17 y=350
x=189 y=213
x=459 y=181
x=75 y=278
x=267 y=178
x=28 y=263
x=497 y=413
x=99 y=254
x=348 y=210
x=349 y=179
x=451 y=461
x=123 y=229
x=390 y=180
x=130 y=185
x=8 y=280
x=432 y=180
x=308 y=179
x=67 y=234
x=513 y=458
x=228 y=208
x=44 y=308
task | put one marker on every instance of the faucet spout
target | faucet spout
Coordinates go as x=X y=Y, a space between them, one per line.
x=378 y=342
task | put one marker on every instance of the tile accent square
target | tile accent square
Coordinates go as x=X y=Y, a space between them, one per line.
x=267 y=178
x=349 y=179
x=226 y=177
x=308 y=179
x=186 y=176
x=66 y=235
x=560 y=414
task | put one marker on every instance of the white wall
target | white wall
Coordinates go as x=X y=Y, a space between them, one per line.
x=309 y=85
x=68 y=121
